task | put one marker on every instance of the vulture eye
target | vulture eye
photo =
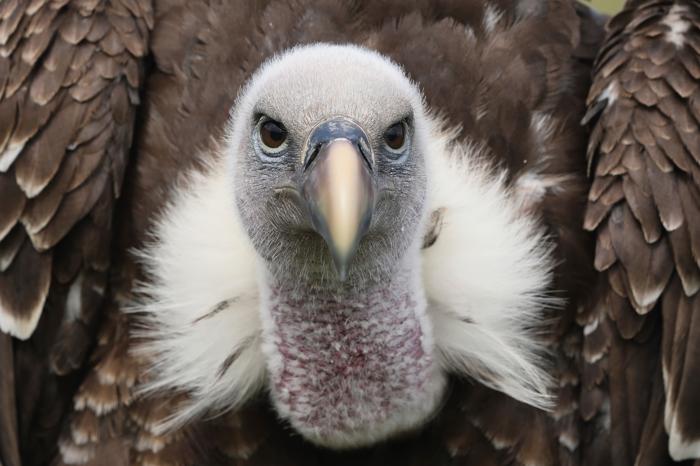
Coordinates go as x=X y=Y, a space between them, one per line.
x=273 y=135
x=395 y=137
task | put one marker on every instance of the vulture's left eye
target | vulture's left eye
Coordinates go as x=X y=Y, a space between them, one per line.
x=395 y=137
x=273 y=136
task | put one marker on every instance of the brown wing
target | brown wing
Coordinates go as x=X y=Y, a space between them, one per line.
x=644 y=207
x=69 y=78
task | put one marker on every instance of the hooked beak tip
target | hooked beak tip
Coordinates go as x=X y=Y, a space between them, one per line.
x=342 y=269
x=341 y=258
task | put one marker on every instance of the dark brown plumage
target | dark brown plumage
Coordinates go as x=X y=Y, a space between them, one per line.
x=70 y=86
x=643 y=207
x=69 y=80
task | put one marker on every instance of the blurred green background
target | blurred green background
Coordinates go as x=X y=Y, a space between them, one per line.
x=606 y=6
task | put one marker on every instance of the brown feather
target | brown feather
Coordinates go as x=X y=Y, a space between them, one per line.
x=10 y=245
x=74 y=207
x=24 y=286
x=41 y=209
x=642 y=208
x=653 y=442
x=43 y=156
x=8 y=116
x=687 y=397
x=39 y=34
x=11 y=203
x=628 y=321
x=51 y=75
x=9 y=445
x=30 y=118
x=647 y=268
x=686 y=265
x=74 y=27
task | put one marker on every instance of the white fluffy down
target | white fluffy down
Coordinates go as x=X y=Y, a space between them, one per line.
x=486 y=276
x=201 y=305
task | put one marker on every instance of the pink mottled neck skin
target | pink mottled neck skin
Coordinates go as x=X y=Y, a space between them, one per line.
x=352 y=367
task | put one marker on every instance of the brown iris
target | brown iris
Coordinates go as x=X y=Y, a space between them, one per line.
x=395 y=136
x=273 y=134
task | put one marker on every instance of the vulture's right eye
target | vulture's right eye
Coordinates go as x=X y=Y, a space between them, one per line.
x=273 y=136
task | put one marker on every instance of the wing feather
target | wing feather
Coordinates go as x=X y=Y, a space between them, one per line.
x=648 y=239
x=69 y=78
x=9 y=445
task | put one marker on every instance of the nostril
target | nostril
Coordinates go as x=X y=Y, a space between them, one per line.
x=312 y=156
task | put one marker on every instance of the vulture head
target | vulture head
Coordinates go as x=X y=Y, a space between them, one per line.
x=344 y=254
x=328 y=150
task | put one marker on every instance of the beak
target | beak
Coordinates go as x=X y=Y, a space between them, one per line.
x=340 y=196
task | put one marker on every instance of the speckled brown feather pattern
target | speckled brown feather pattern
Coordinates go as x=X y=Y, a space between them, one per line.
x=644 y=207
x=534 y=62
x=69 y=84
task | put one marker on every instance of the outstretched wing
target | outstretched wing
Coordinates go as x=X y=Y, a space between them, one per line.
x=644 y=207
x=69 y=79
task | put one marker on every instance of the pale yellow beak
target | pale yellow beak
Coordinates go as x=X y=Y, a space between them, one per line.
x=340 y=196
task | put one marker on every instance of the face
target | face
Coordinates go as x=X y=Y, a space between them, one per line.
x=328 y=159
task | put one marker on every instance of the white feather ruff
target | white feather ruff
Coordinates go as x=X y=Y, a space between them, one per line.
x=486 y=276
x=200 y=262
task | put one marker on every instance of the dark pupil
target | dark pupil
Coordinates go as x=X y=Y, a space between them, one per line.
x=394 y=136
x=273 y=134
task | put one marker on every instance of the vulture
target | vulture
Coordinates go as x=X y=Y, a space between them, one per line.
x=349 y=232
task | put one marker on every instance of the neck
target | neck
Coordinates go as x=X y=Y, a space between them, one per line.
x=351 y=364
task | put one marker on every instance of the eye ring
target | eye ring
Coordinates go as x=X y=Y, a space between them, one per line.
x=272 y=136
x=396 y=137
